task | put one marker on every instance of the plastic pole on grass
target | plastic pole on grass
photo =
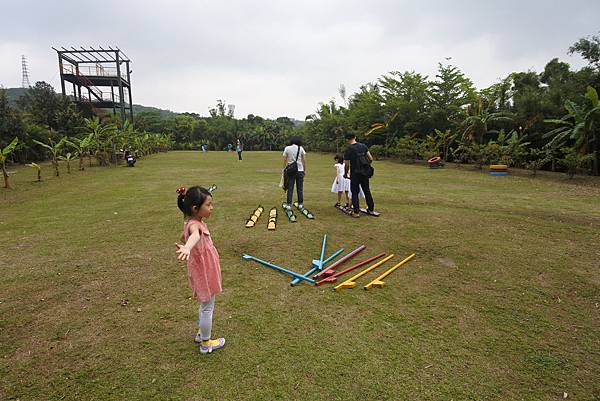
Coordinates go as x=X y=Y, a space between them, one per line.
x=315 y=263
x=281 y=269
x=350 y=283
x=328 y=271
x=319 y=264
x=378 y=283
x=322 y=251
x=333 y=278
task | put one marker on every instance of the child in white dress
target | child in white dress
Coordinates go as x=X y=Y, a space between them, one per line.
x=340 y=184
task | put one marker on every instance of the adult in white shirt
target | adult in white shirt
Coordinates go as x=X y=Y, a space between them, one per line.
x=294 y=153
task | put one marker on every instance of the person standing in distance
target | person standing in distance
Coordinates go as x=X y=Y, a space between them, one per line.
x=239 y=148
x=294 y=154
x=357 y=167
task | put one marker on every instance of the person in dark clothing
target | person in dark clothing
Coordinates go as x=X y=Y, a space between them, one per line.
x=357 y=159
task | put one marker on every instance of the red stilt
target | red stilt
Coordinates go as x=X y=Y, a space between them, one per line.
x=333 y=278
x=339 y=262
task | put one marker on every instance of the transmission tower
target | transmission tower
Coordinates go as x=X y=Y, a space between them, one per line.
x=25 y=83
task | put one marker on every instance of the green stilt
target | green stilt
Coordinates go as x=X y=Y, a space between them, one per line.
x=288 y=212
x=304 y=211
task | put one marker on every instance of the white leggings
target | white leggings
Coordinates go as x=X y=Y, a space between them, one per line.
x=205 y=312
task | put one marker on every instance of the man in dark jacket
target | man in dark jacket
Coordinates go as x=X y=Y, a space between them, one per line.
x=357 y=162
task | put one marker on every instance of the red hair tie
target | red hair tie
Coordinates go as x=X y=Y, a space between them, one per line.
x=181 y=190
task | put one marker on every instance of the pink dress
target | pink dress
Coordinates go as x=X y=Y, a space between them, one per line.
x=204 y=269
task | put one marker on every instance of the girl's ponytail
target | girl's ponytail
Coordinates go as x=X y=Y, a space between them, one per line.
x=187 y=198
x=181 y=200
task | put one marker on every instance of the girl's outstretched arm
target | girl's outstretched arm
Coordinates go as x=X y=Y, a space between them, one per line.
x=183 y=251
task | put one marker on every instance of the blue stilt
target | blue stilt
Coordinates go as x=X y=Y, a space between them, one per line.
x=281 y=269
x=323 y=250
x=315 y=268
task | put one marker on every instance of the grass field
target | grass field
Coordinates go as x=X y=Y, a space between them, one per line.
x=502 y=301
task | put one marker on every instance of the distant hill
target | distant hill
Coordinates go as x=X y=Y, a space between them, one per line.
x=138 y=108
x=14 y=94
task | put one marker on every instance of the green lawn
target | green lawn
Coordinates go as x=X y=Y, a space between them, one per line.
x=502 y=301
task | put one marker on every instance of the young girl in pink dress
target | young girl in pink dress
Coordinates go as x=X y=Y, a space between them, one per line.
x=204 y=270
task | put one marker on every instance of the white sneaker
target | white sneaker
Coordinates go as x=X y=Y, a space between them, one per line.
x=300 y=206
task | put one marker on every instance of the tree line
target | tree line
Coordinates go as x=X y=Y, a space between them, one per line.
x=532 y=120
x=546 y=120
x=190 y=130
x=46 y=126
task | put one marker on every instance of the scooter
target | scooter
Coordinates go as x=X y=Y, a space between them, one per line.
x=129 y=158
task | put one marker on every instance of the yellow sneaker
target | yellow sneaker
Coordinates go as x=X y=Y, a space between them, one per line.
x=209 y=346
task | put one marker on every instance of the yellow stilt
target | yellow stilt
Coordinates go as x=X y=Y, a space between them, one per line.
x=254 y=218
x=350 y=283
x=378 y=283
x=272 y=224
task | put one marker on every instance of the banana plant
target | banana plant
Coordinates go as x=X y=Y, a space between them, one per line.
x=478 y=119
x=68 y=158
x=103 y=138
x=385 y=126
x=442 y=140
x=4 y=153
x=512 y=145
x=54 y=150
x=39 y=170
x=83 y=148
x=579 y=127
x=378 y=126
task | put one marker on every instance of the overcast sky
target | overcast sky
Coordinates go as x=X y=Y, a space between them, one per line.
x=281 y=58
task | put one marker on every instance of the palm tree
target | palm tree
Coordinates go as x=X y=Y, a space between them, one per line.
x=4 y=153
x=579 y=126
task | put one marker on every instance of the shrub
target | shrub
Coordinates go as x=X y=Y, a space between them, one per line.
x=377 y=151
x=407 y=149
x=571 y=161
